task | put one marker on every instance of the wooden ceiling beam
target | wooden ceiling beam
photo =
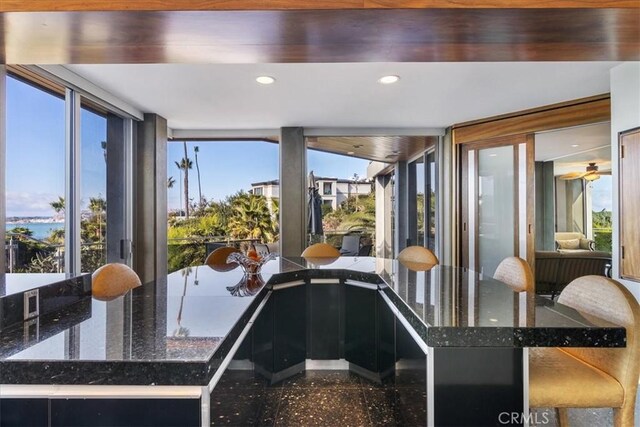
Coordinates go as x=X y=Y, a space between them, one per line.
x=174 y=5
x=425 y=35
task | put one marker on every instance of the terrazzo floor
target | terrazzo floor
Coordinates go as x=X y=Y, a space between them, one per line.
x=318 y=398
x=340 y=398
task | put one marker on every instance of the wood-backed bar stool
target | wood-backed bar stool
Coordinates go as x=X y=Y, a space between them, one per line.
x=516 y=273
x=572 y=377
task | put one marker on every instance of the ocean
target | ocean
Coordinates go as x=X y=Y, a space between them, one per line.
x=40 y=229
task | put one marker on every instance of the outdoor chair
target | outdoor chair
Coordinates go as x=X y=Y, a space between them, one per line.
x=365 y=250
x=350 y=245
x=573 y=377
x=262 y=250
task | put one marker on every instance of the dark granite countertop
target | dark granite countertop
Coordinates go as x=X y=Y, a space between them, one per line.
x=177 y=330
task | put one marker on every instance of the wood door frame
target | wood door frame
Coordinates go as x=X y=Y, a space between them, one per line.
x=511 y=140
x=488 y=130
x=621 y=241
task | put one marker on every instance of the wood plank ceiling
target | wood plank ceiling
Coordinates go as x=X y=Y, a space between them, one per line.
x=387 y=149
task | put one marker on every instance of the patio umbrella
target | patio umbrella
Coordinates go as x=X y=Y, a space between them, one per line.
x=314 y=205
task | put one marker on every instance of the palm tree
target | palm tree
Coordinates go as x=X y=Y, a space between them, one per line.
x=355 y=181
x=196 y=149
x=170 y=182
x=97 y=206
x=184 y=165
x=58 y=205
x=251 y=218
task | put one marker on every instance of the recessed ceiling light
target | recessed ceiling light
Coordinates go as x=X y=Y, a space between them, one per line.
x=575 y=145
x=387 y=80
x=265 y=80
x=350 y=153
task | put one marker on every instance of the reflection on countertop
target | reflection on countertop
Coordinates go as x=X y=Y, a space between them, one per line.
x=177 y=329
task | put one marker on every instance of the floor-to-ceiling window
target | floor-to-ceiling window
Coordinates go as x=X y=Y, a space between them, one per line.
x=422 y=200
x=40 y=174
x=93 y=180
x=220 y=193
x=35 y=178
x=348 y=201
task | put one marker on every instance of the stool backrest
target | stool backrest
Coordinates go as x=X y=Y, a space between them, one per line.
x=417 y=254
x=321 y=250
x=516 y=273
x=598 y=298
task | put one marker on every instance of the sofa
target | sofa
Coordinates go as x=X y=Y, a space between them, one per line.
x=572 y=242
x=555 y=270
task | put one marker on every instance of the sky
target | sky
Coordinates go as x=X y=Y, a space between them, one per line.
x=35 y=151
x=229 y=166
x=35 y=159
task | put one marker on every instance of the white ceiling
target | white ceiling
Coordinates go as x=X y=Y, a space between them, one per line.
x=594 y=145
x=226 y=96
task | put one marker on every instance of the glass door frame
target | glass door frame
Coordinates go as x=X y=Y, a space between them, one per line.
x=524 y=227
x=413 y=232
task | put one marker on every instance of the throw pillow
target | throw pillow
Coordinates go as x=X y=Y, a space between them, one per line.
x=569 y=244
x=584 y=244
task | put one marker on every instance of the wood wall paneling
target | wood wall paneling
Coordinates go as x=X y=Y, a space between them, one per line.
x=351 y=35
x=630 y=205
x=549 y=118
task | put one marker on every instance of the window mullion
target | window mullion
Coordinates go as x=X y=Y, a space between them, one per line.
x=72 y=182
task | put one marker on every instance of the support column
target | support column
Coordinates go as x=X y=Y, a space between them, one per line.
x=293 y=191
x=150 y=224
x=118 y=191
x=3 y=169
x=384 y=239
x=401 y=207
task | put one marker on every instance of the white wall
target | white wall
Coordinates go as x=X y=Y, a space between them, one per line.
x=625 y=115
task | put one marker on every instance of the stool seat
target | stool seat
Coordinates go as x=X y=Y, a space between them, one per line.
x=559 y=380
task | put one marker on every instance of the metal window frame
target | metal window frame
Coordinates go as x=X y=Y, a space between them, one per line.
x=72 y=183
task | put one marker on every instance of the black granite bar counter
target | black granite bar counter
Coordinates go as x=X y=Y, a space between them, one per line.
x=54 y=291
x=177 y=330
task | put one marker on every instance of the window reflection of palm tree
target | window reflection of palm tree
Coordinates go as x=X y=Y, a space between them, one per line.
x=181 y=331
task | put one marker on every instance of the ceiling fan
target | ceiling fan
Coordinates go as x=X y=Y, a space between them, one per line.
x=591 y=173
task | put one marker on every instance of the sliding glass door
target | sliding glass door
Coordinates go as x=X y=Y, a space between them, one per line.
x=422 y=186
x=497 y=211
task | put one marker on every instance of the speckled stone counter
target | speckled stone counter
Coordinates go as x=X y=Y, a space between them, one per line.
x=181 y=328
x=466 y=334
x=53 y=291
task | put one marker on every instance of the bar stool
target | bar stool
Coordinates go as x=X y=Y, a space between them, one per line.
x=572 y=377
x=516 y=273
x=113 y=280
x=321 y=250
x=217 y=259
x=417 y=258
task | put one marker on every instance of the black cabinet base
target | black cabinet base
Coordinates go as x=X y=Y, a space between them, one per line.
x=276 y=377
x=376 y=377
x=477 y=386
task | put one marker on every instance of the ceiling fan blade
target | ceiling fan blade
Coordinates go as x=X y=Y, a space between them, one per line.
x=572 y=175
x=608 y=172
